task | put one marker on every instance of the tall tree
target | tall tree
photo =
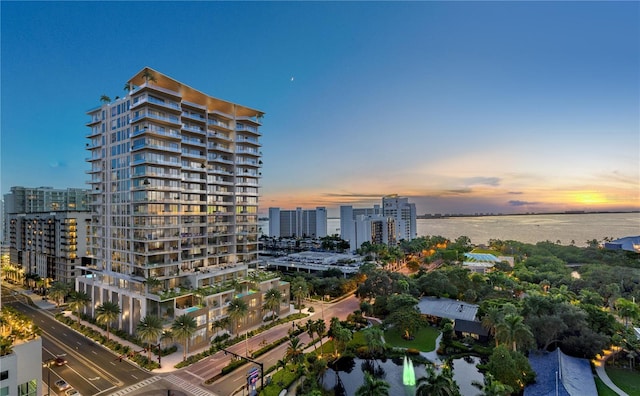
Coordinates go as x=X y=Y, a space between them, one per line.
x=321 y=327
x=294 y=351
x=310 y=328
x=513 y=331
x=149 y=329
x=183 y=328
x=105 y=99
x=373 y=386
x=77 y=301
x=59 y=291
x=627 y=309
x=437 y=384
x=373 y=338
x=272 y=301
x=492 y=317
x=237 y=310
x=299 y=290
x=106 y=313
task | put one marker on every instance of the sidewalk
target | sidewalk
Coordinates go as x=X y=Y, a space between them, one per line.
x=600 y=364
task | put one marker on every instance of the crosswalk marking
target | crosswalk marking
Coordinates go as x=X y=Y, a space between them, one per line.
x=182 y=384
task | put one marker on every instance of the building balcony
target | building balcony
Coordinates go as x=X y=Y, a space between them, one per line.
x=193 y=141
x=193 y=116
x=193 y=128
x=157 y=131
x=169 y=120
x=150 y=86
x=139 y=147
x=219 y=136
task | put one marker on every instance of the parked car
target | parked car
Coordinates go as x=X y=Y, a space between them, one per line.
x=62 y=385
x=72 y=392
x=60 y=361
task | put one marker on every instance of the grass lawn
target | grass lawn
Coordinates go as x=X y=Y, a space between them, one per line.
x=627 y=380
x=604 y=390
x=283 y=376
x=425 y=339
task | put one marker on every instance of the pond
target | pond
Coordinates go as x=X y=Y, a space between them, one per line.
x=465 y=373
x=347 y=376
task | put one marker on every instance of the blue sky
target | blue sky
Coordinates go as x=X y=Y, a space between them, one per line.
x=464 y=107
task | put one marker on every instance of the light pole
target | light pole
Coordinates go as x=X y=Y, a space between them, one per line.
x=47 y=364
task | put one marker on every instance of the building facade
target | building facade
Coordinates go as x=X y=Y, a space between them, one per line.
x=389 y=223
x=47 y=233
x=174 y=195
x=404 y=213
x=298 y=223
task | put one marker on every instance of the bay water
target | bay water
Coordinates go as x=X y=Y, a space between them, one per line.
x=565 y=228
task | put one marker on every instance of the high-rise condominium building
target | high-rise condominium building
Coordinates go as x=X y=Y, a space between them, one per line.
x=404 y=214
x=47 y=234
x=393 y=221
x=298 y=223
x=174 y=182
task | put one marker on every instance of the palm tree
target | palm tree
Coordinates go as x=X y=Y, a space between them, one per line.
x=149 y=76
x=437 y=384
x=334 y=329
x=299 y=290
x=106 y=313
x=149 y=329
x=627 y=309
x=152 y=283
x=373 y=338
x=294 y=351
x=373 y=386
x=272 y=301
x=127 y=87
x=513 y=331
x=321 y=328
x=59 y=291
x=105 y=99
x=343 y=337
x=491 y=319
x=183 y=328
x=237 y=310
x=77 y=301
x=310 y=327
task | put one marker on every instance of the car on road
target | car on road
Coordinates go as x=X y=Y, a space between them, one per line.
x=60 y=361
x=62 y=385
x=72 y=392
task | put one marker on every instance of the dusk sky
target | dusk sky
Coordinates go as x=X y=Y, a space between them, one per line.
x=464 y=107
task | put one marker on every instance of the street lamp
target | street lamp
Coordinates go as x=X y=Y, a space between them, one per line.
x=47 y=364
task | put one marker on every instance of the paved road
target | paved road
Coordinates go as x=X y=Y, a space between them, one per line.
x=212 y=366
x=90 y=368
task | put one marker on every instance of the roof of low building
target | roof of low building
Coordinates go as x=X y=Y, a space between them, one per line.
x=447 y=308
x=470 y=326
x=560 y=374
x=630 y=244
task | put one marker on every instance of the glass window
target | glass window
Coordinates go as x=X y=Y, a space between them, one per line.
x=4 y=391
x=4 y=375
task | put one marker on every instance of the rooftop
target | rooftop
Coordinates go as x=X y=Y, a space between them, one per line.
x=447 y=308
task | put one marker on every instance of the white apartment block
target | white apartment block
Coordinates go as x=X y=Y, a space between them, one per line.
x=404 y=214
x=393 y=221
x=21 y=370
x=298 y=223
x=174 y=194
